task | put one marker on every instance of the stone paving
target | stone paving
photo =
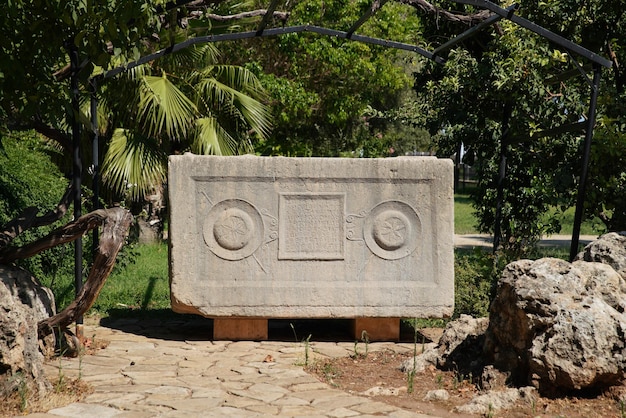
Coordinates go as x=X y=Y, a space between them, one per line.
x=170 y=368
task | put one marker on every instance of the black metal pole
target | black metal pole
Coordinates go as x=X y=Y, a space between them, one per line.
x=95 y=157
x=504 y=143
x=580 y=201
x=76 y=177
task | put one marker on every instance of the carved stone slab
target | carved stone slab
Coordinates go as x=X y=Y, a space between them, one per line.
x=311 y=237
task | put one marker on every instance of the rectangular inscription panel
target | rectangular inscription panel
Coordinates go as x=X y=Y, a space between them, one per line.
x=283 y=237
x=311 y=226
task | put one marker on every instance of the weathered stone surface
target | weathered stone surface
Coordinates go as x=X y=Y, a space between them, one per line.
x=459 y=348
x=608 y=249
x=23 y=303
x=494 y=401
x=26 y=289
x=461 y=341
x=437 y=395
x=559 y=326
x=311 y=237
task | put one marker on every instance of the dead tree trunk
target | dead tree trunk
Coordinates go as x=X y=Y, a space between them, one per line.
x=115 y=223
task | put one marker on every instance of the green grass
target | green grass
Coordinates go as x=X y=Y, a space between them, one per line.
x=141 y=284
x=465 y=220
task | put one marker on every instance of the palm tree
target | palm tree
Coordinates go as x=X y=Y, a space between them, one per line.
x=182 y=102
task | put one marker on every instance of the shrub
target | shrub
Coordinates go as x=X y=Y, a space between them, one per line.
x=474 y=276
x=28 y=177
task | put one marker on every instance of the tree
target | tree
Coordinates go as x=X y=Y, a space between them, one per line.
x=214 y=108
x=324 y=90
x=495 y=96
x=35 y=38
x=182 y=102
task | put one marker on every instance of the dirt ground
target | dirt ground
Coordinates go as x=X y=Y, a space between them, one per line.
x=359 y=373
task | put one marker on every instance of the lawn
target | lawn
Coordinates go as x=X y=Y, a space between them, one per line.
x=465 y=221
x=140 y=283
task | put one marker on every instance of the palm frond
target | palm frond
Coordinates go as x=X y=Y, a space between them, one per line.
x=212 y=138
x=133 y=164
x=191 y=58
x=224 y=96
x=164 y=109
x=237 y=78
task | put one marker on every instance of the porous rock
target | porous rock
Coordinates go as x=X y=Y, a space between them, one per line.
x=559 y=326
x=460 y=346
x=608 y=249
x=23 y=303
x=488 y=403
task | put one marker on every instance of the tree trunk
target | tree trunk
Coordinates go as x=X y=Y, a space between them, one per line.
x=116 y=223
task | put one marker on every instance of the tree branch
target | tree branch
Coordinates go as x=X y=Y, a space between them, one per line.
x=283 y=16
x=115 y=225
x=59 y=236
x=453 y=17
x=54 y=134
x=29 y=219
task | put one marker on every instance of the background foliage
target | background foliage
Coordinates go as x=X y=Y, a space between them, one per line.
x=328 y=95
x=28 y=178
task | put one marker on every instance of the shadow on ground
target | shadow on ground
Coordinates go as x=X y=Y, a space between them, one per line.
x=168 y=325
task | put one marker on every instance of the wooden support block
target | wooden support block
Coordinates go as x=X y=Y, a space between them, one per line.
x=378 y=329
x=235 y=329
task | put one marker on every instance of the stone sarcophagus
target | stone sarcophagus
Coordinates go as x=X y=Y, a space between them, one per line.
x=275 y=237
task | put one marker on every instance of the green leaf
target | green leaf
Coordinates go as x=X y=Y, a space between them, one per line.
x=164 y=109
x=133 y=164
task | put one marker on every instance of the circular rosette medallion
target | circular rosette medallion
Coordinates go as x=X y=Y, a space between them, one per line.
x=233 y=229
x=392 y=229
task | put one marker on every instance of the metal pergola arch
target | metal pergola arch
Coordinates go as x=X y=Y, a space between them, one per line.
x=498 y=13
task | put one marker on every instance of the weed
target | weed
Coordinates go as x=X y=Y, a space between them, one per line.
x=59 y=384
x=295 y=336
x=81 y=354
x=366 y=339
x=330 y=372
x=411 y=374
x=440 y=381
x=307 y=342
x=622 y=408
x=18 y=380
x=410 y=380
x=491 y=412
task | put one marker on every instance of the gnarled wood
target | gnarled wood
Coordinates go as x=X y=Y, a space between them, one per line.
x=427 y=7
x=29 y=219
x=115 y=223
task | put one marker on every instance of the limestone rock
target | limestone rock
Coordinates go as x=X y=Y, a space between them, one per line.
x=437 y=395
x=492 y=378
x=427 y=358
x=23 y=303
x=559 y=325
x=255 y=237
x=488 y=403
x=608 y=249
x=460 y=346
